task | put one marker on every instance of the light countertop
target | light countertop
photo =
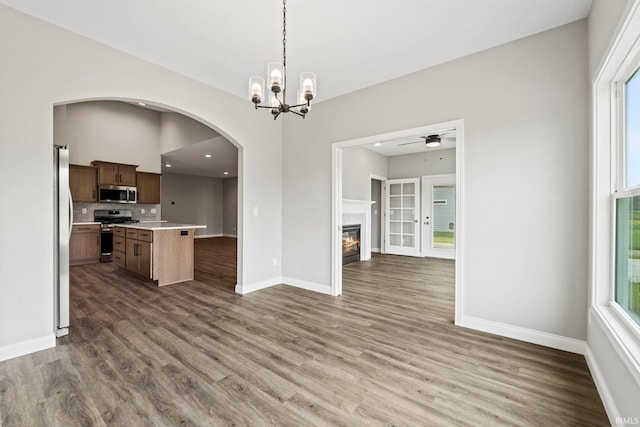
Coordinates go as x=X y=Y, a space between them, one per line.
x=160 y=225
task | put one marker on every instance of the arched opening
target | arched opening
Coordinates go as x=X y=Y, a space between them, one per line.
x=150 y=135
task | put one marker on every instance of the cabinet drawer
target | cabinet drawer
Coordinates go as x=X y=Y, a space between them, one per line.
x=118 y=231
x=118 y=243
x=119 y=258
x=91 y=228
x=145 y=236
x=131 y=233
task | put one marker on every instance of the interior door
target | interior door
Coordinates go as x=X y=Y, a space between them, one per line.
x=402 y=226
x=439 y=216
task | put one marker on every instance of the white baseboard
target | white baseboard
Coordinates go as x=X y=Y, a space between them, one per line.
x=206 y=236
x=26 y=347
x=376 y=250
x=252 y=287
x=235 y=236
x=310 y=286
x=558 y=342
x=601 y=385
x=296 y=283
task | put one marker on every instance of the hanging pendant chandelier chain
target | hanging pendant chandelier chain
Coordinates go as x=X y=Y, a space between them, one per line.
x=284 y=48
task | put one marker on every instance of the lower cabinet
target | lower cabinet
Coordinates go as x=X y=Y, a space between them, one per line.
x=138 y=252
x=84 y=246
x=119 y=247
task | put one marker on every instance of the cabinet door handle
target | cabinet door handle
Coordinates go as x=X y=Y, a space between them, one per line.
x=116 y=178
x=98 y=240
x=120 y=178
x=94 y=194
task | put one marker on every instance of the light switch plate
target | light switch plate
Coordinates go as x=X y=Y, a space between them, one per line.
x=255 y=211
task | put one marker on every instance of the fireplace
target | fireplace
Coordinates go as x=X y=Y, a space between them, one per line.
x=350 y=243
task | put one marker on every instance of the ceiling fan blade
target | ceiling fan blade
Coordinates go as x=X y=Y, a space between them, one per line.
x=409 y=143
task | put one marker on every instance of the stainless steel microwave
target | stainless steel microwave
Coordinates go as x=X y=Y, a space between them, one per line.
x=117 y=194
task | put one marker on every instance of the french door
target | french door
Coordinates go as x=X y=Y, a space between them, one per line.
x=402 y=217
x=439 y=216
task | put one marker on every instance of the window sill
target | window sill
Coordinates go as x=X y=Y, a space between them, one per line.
x=623 y=340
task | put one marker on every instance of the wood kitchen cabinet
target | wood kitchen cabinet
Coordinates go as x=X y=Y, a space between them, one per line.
x=115 y=173
x=148 y=187
x=83 y=182
x=162 y=252
x=84 y=246
x=138 y=252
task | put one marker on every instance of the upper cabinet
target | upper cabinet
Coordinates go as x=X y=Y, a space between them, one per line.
x=148 y=187
x=83 y=183
x=115 y=173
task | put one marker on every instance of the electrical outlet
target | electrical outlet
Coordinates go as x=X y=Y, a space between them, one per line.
x=275 y=262
x=154 y=210
x=84 y=210
x=143 y=210
x=255 y=211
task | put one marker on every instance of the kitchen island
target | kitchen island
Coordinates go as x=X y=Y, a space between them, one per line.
x=158 y=251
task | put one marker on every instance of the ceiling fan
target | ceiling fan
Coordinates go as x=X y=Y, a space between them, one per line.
x=433 y=140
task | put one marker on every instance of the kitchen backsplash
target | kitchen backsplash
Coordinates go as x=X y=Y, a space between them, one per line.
x=136 y=210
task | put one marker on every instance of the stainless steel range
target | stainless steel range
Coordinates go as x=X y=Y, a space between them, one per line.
x=107 y=219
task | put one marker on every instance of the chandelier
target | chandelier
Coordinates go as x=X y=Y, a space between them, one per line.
x=277 y=79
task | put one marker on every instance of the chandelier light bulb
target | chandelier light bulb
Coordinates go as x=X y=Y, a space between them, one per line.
x=276 y=77
x=256 y=89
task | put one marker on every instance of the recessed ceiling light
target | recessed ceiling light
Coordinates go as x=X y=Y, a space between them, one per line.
x=377 y=144
x=226 y=173
x=207 y=155
x=168 y=165
x=142 y=104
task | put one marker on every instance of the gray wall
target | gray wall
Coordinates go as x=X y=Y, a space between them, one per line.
x=358 y=164
x=415 y=165
x=615 y=378
x=51 y=66
x=110 y=131
x=230 y=206
x=178 y=131
x=192 y=199
x=525 y=107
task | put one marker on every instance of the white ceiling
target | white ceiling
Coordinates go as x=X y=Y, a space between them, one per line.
x=191 y=160
x=348 y=44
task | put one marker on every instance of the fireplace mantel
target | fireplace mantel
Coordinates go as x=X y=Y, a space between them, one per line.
x=359 y=212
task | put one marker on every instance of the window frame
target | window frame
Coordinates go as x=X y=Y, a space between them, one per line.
x=620 y=190
x=608 y=176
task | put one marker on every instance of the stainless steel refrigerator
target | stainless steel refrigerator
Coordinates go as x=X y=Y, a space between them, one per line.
x=63 y=220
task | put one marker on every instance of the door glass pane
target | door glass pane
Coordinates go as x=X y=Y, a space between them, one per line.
x=409 y=188
x=395 y=202
x=632 y=131
x=409 y=201
x=394 y=227
x=628 y=255
x=395 y=215
x=395 y=189
x=408 y=228
x=444 y=217
x=409 y=214
x=407 y=241
x=395 y=239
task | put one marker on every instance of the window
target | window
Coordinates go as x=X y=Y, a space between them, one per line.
x=615 y=168
x=627 y=202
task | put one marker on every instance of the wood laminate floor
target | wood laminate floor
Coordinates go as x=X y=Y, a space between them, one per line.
x=385 y=353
